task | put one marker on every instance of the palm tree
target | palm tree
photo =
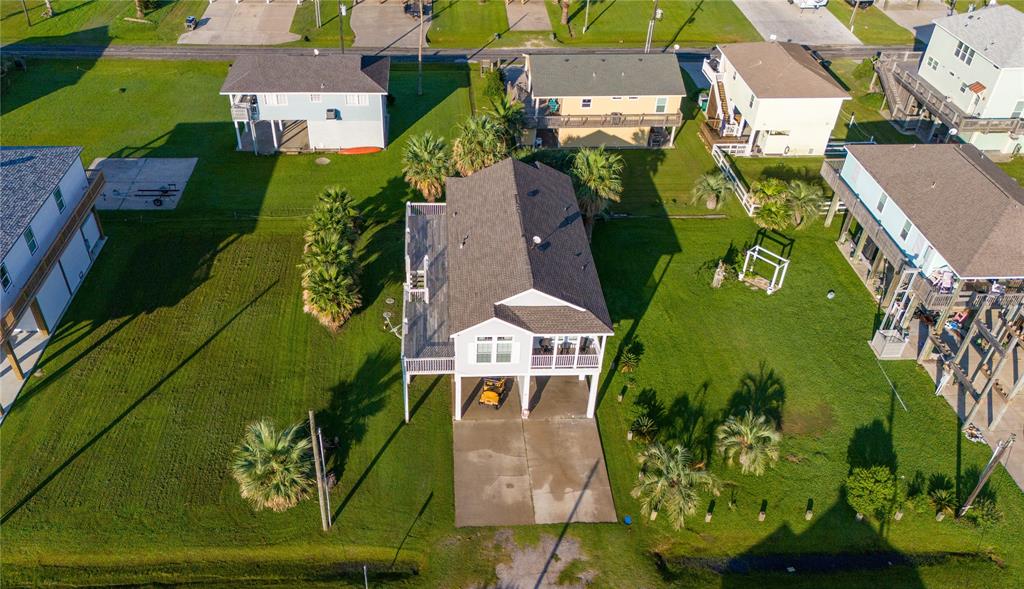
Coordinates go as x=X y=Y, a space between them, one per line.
x=803 y=199
x=669 y=482
x=564 y=4
x=712 y=188
x=481 y=143
x=597 y=175
x=426 y=164
x=274 y=469
x=769 y=190
x=330 y=292
x=509 y=114
x=773 y=215
x=751 y=440
x=335 y=209
x=48 y=12
x=140 y=8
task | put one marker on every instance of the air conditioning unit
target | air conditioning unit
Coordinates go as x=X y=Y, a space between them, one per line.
x=333 y=114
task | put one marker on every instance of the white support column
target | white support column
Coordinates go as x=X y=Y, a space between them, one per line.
x=775 y=275
x=458 y=397
x=273 y=133
x=592 y=399
x=782 y=278
x=524 y=394
x=405 y=390
x=252 y=129
x=672 y=138
x=238 y=135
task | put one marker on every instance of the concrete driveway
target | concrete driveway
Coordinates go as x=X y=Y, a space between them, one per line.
x=385 y=24
x=534 y=471
x=915 y=18
x=249 y=22
x=789 y=23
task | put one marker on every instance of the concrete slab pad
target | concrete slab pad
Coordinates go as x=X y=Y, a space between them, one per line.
x=510 y=409
x=915 y=15
x=28 y=347
x=492 y=482
x=789 y=23
x=249 y=22
x=568 y=476
x=386 y=24
x=527 y=15
x=137 y=183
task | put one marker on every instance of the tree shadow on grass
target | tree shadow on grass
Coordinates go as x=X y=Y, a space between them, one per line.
x=688 y=422
x=871 y=445
x=59 y=74
x=128 y=410
x=763 y=393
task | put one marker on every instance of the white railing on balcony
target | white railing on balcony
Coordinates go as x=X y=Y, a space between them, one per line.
x=429 y=208
x=430 y=365
x=542 y=361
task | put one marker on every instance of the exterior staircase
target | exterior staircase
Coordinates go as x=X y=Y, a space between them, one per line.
x=723 y=101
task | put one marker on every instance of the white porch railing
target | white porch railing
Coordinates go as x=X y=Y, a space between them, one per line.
x=430 y=365
x=429 y=208
x=542 y=361
x=719 y=155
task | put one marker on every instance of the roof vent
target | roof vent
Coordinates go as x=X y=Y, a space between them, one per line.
x=537 y=240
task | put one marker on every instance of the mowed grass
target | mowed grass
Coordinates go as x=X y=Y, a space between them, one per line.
x=864 y=108
x=190 y=325
x=624 y=23
x=1015 y=168
x=871 y=25
x=95 y=22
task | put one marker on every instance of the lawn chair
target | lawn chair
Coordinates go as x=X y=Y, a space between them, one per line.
x=493 y=392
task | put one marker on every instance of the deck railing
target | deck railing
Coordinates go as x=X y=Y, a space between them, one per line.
x=52 y=257
x=555 y=121
x=550 y=361
x=718 y=153
x=430 y=365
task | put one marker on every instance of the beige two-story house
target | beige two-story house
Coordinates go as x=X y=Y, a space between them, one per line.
x=590 y=100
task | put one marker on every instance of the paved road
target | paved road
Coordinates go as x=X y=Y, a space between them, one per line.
x=789 y=23
x=228 y=53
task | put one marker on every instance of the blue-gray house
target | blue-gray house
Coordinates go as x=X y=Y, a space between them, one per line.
x=294 y=103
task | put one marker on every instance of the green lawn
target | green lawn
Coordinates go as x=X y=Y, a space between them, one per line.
x=864 y=108
x=871 y=25
x=304 y=24
x=95 y=22
x=1015 y=168
x=115 y=456
x=624 y=23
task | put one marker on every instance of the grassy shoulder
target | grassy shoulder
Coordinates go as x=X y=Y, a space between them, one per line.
x=624 y=23
x=871 y=25
x=88 y=22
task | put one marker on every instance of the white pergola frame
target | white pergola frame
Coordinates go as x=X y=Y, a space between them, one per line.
x=778 y=262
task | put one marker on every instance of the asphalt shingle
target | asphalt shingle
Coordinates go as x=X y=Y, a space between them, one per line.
x=28 y=176
x=308 y=73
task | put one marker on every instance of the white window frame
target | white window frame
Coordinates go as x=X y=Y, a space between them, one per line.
x=5 y=277
x=356 y=100
x=634 y=98
x=616 y=98
x=964 y=53
x=499 y=342
x=880 y=205
x=963 y=87
x=316 y=98
x=1018 y=110
x=586 y=102
x=484 y=340
x=661 y=104
x=30 y=241
x=276 y=99
x=58 y=199
x=905 y=232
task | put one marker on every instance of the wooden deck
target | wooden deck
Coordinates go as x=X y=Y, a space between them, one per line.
x=426 y=345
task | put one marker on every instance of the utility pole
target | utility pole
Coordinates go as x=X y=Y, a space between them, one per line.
x=321 y=491
x=650 y=28
x=25 y=9
x=853 y=15
x=1001 y=448
x=341 y=24
x=316 y=10
x=323 y=467
x=419 y=56
x=586 y=19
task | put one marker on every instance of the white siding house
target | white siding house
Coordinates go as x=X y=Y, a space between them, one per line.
x=50 y=238
x=770 y=99
x=500 y=282
x=302 y=103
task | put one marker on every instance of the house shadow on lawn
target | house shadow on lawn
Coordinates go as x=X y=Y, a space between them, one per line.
x=24 y=89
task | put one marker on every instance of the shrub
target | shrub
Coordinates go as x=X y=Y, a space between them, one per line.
x=864 y=70
x=984 y=513
x=494 y=85
x=871 y=491
x=644 y=428
x=943 y=500
x=630 y=358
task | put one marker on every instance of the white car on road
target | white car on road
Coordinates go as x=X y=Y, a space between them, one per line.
x=809 y=3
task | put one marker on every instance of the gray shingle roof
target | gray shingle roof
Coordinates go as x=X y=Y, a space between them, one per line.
x=308 y=73
x=493 y=216
x=965 y=205
x=994 y=32
x=781 y=70
x=28 y=176
x=557 y=75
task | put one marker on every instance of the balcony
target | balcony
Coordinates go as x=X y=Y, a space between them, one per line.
x=565 y=352
x=901 y=69
x=426 y=346
x=553 y=120
x=245 y=109
x=872 y=228
x=53 y=253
